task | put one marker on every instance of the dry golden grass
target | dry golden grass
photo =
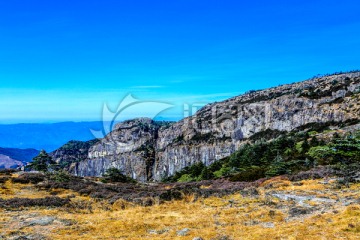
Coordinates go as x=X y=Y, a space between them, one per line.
x=11 y=190
x=235 y=216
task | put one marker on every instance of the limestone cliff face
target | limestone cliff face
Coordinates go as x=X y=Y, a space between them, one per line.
x=72 y=151
x=129 y=147
x=145 y=151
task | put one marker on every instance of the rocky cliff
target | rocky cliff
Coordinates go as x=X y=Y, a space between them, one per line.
x=146 y=151
x=71 y=152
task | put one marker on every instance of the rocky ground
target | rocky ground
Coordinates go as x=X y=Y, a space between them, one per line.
x=275 y=208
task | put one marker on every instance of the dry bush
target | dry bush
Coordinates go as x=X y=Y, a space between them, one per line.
x=4 y=179
x=79 y=206
x=121 y=204
x=276 y=182
x=34 y=202
x=315 y=173
x=7 y=172
x=29 y=178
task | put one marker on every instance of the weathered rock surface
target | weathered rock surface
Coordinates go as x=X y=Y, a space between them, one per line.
x=42 y=221
x=145 y=151
x=129 y=147
x=72 y=151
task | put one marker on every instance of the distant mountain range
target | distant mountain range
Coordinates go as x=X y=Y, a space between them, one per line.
x=47 y=136
x=14 y=157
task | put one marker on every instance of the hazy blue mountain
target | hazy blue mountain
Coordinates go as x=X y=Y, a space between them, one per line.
x=23 y=155
x=7 y=162
x=15 y=157
x=47 y=136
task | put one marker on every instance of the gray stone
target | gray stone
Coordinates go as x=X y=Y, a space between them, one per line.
x=296 y=211
x=183 y=232
x=268 y=225
x=152 y=231
x=301 y=199
x=43 y=221
x=29 y=237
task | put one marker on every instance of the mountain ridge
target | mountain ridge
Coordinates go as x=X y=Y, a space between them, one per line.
x=219 y=129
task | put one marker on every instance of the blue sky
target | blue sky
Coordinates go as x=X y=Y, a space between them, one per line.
x=62 y=60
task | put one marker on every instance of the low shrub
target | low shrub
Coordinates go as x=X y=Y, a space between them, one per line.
x=60 y=176
x=4 y=179
x=248 y=175
x=29 y=178
x=7 y=171
x=115 y=175
x=34 y=202
x=315 y=173
x=171 y=195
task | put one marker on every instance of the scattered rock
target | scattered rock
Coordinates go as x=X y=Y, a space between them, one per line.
x=222 y=237
x=152 y=231
x=198 y=238
x=301 y=199
x=296 y=211
x=268 y=225
x=29 y=237
x=183 y=232
x=42 y=221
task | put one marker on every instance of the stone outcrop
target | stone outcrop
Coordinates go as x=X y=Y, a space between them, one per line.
x=71 y=152
x=146 y=151
x=129 y=147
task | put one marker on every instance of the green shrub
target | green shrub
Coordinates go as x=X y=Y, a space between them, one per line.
x=186 y=178
x=249 y=174
x=286 y=154
x=225 y=171
x=206 y=174
x=60 y=176
x=277 y=167
x=115 y=175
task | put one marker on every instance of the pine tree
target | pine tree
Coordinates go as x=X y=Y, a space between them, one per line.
x=41 y=162
x=206 y=174
x=314 y=142
x=277 y=167
x=305 y=146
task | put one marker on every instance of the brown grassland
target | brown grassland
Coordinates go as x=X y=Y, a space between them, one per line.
x=250 y=214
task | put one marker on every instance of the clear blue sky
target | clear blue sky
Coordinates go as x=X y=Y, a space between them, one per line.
x=62 y=60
